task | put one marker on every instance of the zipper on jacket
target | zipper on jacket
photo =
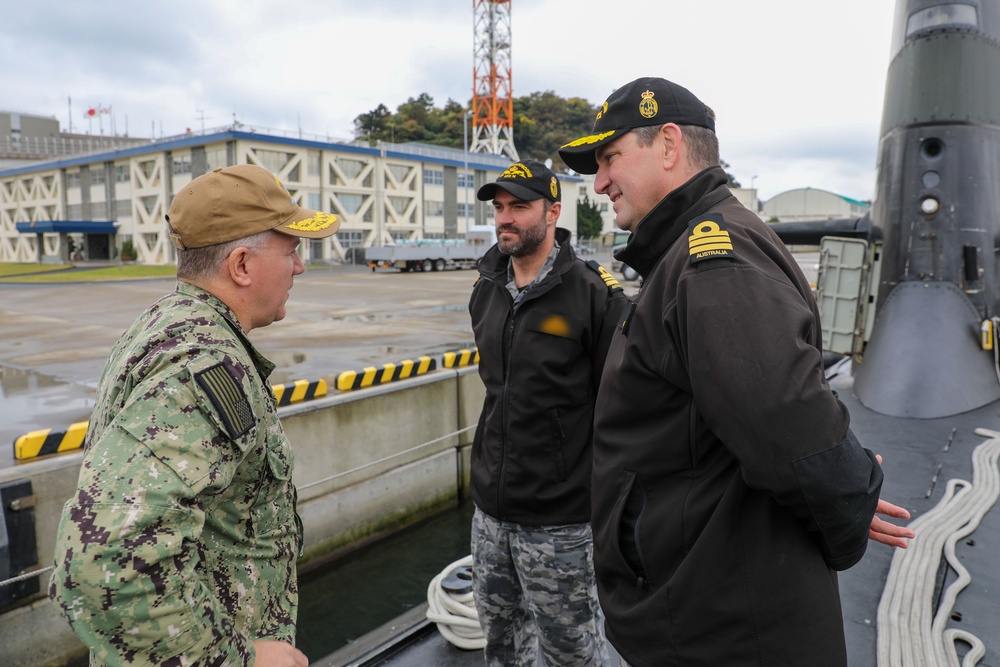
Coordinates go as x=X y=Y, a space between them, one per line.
x=505 y=401
x=507 y=345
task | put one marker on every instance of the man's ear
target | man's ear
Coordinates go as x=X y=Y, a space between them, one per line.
x=670 y=136
x=552 y=215
x=237 y=265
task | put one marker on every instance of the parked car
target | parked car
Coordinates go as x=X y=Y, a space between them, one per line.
x=628 y=273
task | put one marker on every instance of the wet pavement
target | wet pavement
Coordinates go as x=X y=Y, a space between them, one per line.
x=54 y=339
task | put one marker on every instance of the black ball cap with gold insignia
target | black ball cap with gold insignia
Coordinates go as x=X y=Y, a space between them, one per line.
x=645 y=101
x=528 y=180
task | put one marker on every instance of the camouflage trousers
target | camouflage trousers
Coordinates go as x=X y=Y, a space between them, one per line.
x=536 y=594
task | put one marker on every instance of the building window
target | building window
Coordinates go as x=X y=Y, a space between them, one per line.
x=466 y=180
x=350 y=203
x=72 y=179
x=313 y=201
x=433 y=177
x=122 y=173
x=433 y=209
x=399 y=204
x=350 y=168
x=123 y=208
x=98 y=210
x=273 y=161
x=313 y=164
x=316 y=248
x=74 y=212
x=97 y=177
x=216 y=157
x=182 y=165
x=350 y=239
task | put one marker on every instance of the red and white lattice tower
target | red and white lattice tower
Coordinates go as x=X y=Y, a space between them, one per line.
x=492 y=87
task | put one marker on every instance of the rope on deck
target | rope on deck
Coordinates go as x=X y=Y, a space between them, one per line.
x=454 y=611
x=909 y=633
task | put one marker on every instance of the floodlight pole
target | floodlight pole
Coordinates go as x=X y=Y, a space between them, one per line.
x=465 y=174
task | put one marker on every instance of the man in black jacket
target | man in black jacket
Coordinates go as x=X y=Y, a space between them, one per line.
x=728 y=488
x=543 y=319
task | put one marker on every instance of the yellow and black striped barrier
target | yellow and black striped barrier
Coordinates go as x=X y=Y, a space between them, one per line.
x=461 y=358
x=49 y=441
x=373 y=375
x=300 y=390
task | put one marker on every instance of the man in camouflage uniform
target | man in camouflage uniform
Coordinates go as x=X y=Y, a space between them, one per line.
x=543 y=319
x=180 y=544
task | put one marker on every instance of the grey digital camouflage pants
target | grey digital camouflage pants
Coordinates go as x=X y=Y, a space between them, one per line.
x=536 y=594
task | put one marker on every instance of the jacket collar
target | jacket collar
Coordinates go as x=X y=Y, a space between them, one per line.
x=669 y=219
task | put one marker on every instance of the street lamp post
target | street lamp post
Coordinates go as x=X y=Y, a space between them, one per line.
x=465 y=171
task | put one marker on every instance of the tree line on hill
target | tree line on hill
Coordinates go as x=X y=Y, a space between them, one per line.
x=542 y=123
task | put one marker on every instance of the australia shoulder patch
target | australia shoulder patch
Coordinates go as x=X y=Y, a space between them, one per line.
x=709 y=239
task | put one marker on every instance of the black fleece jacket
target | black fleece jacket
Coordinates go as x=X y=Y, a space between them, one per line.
x=728 y=487
x=541 y=363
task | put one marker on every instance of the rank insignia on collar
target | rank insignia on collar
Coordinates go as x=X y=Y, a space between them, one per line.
x=708 y=238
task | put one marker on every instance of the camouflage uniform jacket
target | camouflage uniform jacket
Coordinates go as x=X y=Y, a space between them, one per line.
x=179 y=546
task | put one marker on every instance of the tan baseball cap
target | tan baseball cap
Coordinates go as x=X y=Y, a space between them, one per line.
x=236 y=202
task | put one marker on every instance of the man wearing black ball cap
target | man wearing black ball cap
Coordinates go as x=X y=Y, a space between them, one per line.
x=542 y=318
x=728 y=488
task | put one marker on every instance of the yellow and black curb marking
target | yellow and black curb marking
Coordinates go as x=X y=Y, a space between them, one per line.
x=300 y=390
x=48 y=441
x=373 y=375
x=461 y=358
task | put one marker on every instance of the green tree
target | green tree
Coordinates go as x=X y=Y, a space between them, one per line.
x=544 y=121
x=733 y=183
x=371 y=125
x=588 y=218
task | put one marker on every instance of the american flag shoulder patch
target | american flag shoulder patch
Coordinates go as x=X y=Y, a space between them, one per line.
x=226 y=394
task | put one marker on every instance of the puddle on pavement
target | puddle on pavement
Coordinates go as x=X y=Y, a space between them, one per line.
x=31 y=401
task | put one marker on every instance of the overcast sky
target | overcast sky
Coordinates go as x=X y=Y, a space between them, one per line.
x=797 y=85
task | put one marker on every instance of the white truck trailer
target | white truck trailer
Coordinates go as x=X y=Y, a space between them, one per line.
x=434 y=254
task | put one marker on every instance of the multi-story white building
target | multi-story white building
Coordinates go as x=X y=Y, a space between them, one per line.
x=94 y=203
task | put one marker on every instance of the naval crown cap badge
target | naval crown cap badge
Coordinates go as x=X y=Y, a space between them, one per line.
x=648 y=108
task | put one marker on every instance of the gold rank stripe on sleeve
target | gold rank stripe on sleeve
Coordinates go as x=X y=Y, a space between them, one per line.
x=605 y=275
x=709 y=239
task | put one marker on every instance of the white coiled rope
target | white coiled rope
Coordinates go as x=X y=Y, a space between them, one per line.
x=909 y=633
x=455 y=613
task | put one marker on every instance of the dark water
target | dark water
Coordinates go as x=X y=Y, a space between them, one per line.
x=347 y=598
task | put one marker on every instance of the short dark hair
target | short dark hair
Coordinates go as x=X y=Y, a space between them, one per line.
x=703 y=144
